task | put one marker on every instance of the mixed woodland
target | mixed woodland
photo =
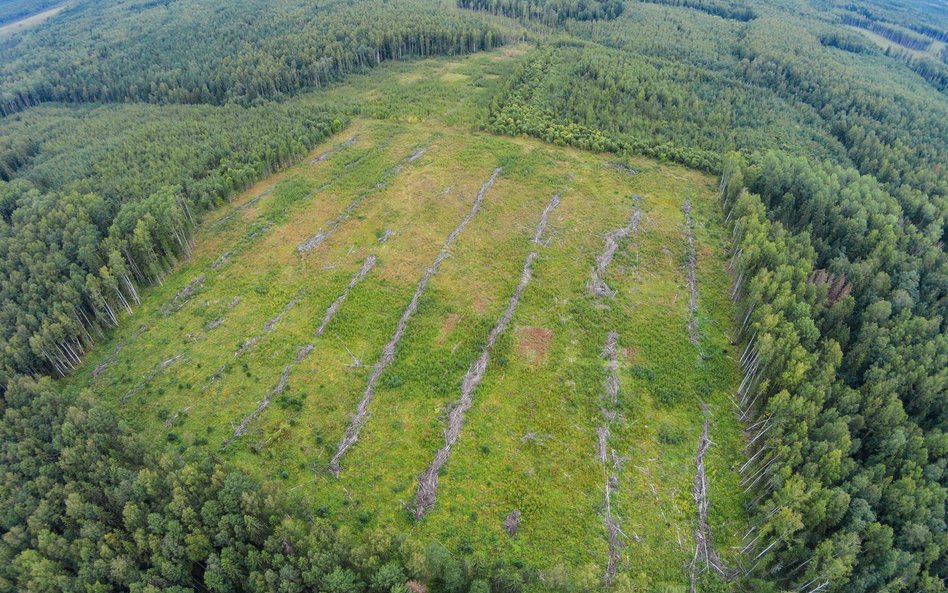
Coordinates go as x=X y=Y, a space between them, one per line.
x=123 y=122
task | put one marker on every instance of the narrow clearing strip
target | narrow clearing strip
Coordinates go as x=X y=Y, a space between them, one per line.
x=428 y=482
x=325 y=156
x=610 y=403
x=330 y=227
x=598 y=286
x=303 y=352
x=388 y=354
x=704 y=549
x=692 y=274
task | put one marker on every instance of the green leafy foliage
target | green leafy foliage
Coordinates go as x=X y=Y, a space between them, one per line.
x=845 y=348
x=549 y=12
x=86 y=505
x=243 y=52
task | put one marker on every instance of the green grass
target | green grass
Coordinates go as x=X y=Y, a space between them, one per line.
x=552 y=399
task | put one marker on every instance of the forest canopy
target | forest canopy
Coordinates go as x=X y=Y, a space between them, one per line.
x=123 y=122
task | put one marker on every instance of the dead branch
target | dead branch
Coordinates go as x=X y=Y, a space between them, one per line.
x=367 y=266
x=265 y=402
x=269 y=326
x=157 y=370
x=610 y=401
x=325 y=156
x=512 y=522
x=704 y=548
x=184 y=295
x=225 y=219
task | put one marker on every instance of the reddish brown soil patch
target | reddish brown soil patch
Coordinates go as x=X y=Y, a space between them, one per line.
x=450 y=322
x=630 y=353
x=533 y=343
x=481 y=303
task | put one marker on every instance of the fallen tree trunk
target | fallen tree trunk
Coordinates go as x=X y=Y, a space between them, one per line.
x=428 y=482
x=388 y=353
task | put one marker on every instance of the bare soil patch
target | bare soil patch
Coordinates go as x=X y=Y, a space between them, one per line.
x=450 y=322
x=533 y=343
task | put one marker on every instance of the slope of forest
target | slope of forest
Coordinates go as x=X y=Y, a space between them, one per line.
x=372 y=296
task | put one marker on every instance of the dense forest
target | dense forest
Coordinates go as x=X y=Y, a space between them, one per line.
x=14 y=10
x=90 y=506
x=123 y=122
x=549 y=12
x=206 y=52
x=842 y=305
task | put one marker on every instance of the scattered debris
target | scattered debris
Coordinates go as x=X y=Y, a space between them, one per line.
x=330 y=227
x=234 y=302
x=174 y=417
x=225 y=219
x=704 y=549
x=180 y=299
x=272 y=323
x=625 y=168
x=277 y=390
x=692 y=275
x=388 y=354
x=428 y=482
x=512 y=523
x=100 y=368
x=223 y=259
x=386 y=234
x=598 y=285
x=325 y=156
x=267 y=327
x=610 y=403
x=214 y=324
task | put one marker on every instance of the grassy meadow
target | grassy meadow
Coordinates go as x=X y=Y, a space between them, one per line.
x=180 y=370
